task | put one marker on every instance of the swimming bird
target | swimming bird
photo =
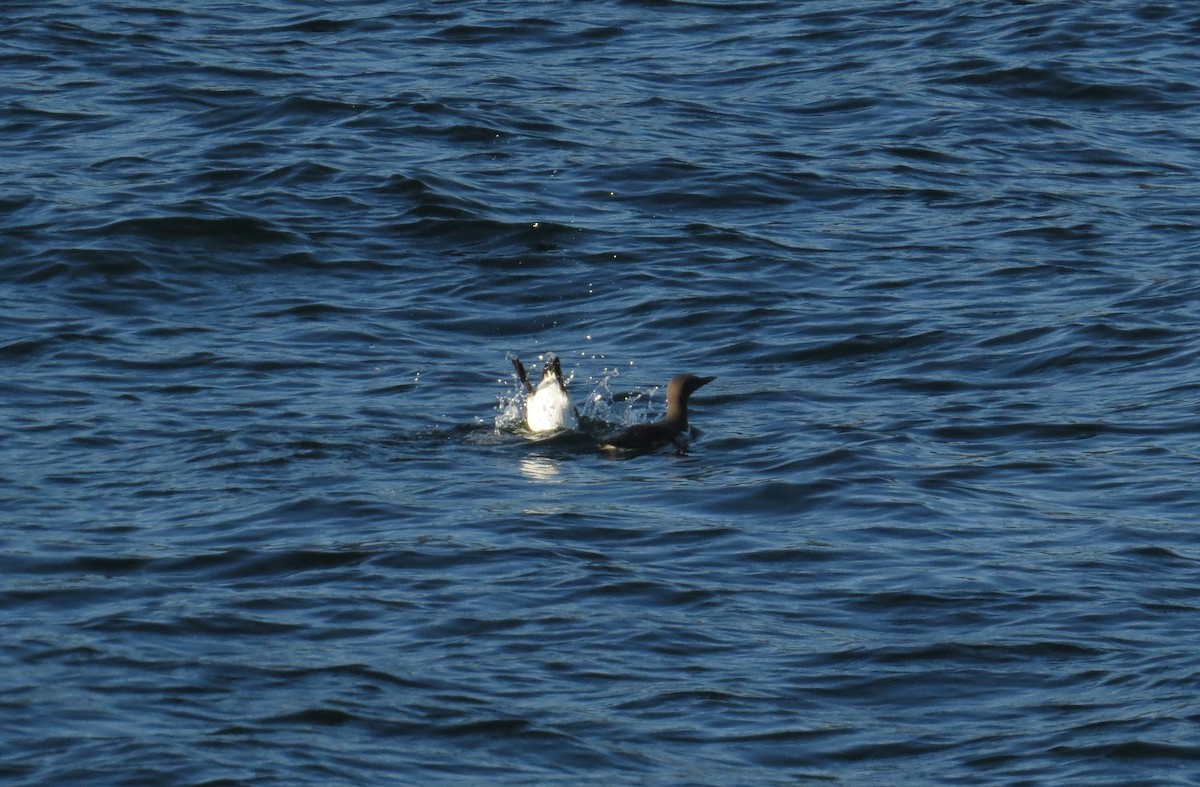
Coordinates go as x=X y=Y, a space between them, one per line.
x=548 y=407
x=671 y=429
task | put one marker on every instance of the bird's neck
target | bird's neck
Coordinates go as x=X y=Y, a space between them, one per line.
x=677 y=414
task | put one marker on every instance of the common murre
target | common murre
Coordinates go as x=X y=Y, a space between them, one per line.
x=671 y=429
x=548 y=407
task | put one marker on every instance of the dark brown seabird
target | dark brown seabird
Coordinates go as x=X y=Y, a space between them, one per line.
x=671 y=429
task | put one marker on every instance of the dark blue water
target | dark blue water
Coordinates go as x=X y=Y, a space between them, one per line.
x=267 y=514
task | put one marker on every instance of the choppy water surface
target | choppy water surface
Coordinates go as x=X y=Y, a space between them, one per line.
x=268 y=514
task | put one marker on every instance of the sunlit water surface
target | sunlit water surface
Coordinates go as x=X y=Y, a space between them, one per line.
x=268 y=512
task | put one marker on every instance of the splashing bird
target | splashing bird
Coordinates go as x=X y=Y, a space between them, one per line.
x=548 y=407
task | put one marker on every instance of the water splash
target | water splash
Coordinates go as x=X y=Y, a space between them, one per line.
x=510 y=405
x=604 y=407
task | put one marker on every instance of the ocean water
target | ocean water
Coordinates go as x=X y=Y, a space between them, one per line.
x=267 y=512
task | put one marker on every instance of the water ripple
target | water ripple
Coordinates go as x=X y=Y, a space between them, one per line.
x=270 y=512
